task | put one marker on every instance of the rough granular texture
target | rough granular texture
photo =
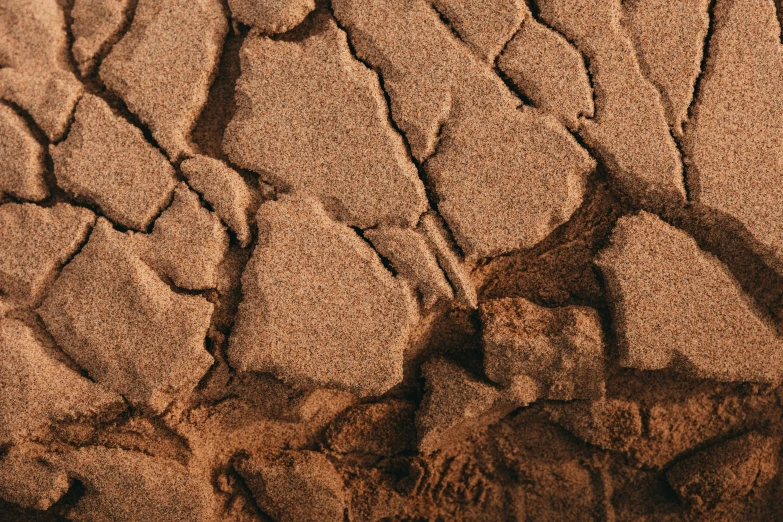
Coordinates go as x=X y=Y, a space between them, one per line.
x=131 y=332
x=318 y=304
x=21 y=159
x=105 y=160
x=35 y=242
x=391 y=260
x=676 y=305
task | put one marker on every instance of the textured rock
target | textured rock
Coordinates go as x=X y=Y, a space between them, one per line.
x=96 y=25
x=319 y=307
x=164 y=65
x=35 y=242
x=49 y=99
x=612 y=424
x=311 y=117
x=412 y=258
x=669 y=39
x=187 y=243
x=725 y=471
x=21 y=159
x=732 y=141
x=107 y=161
x=454 y=406
x=629 y=131
x=30 y=482
x=37 y=389
x=271 y=16
x=561 y=349
x=530 y=170
x=382 y=428
x=431 y=227
x=116 y=319
x=295 y=486
x=224 y=189
x=484 y=26
x=126 y=486
x=549 y=71
x=676 y=305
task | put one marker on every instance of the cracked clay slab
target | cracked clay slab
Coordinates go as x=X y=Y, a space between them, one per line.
x=313 y=118
x=319 y=307
x=113 y=316
x=96 y=24
x=163 y=66
x=34 y=243
x=732 y=143
x=37 y=389
x=106 y=161
x=21 y=158
x=505 y=176
x=674 y=305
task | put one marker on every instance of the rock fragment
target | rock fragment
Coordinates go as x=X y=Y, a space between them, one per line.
x=29 y=481
x=549 y=71
x=382 y=428
x=313 y=118
x=126 y=486
x=224 y=189
x=561 y=349
x=295 y=486
x=676 y=305
x=530 y=170
x=484 y=26
x=271 y=16
x=669 y=39
x=37 y=389
x=732 y=140
x=96 y=25
x=455 y=405
x=49 y=99
x=411 y=256
x=128 y=329
x=319 y=307
x=107 y=161
x=725 y=471
x=187 y=242
x=611 y=424
x=35 y=242
x=629 y=130
x=21 y=158
x=431 y=227
x=164 y=65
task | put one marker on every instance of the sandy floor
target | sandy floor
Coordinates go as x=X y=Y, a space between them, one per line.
x=359 y=260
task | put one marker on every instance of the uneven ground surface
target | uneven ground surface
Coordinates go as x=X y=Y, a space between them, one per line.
x=360 y=260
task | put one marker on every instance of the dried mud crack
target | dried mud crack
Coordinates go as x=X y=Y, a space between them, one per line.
x=370 y=260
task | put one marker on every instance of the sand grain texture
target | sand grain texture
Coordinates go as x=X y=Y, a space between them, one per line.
x=164 y=65
x=224 y=189
x=319 y=307
x=96 y=25
x=29 y=481
x=187 y=242
x=460 y=117
x=561 y=349
x=106 y=160
x=21 y=158
x=295 y=486
x=732 y=143
x=35 y=242
x=127 y=328
x=271 y=16
x=37 y=389
x=676 y=305
x=159 y=489
x=313 y=118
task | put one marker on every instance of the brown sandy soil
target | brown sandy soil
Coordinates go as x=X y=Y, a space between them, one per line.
x=391 y=260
